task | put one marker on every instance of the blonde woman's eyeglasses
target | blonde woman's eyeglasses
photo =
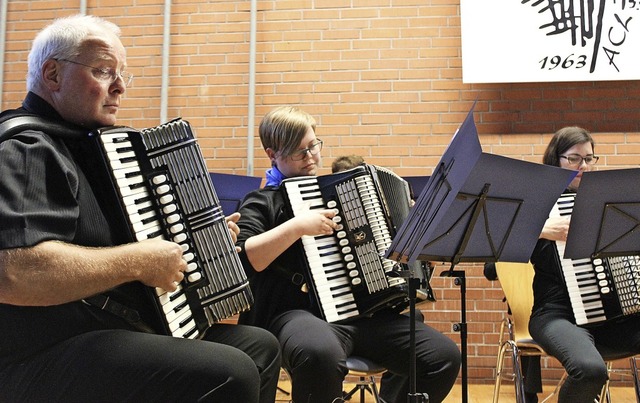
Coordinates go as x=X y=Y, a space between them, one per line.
x=313 y=149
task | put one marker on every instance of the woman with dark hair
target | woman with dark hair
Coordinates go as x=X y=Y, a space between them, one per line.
x=552 y=324
x=561 y=148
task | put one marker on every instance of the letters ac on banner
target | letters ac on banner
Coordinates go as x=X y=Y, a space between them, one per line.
x=550 y=40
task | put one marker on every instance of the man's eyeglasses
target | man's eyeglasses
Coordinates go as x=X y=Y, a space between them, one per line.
x=105 y=74
x=576 y=159
x=313 y=149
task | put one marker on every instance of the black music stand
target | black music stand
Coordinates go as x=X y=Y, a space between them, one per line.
x=606 y=215
x=477 y=207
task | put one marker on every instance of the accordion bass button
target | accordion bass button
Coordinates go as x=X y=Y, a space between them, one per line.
x=158 y=179
x=163 y=189
x=179 y=238
x=169 y=208
x=191 y=267
x=187 y=257
x=177 y=228
x=173 y=218
x=166 y=199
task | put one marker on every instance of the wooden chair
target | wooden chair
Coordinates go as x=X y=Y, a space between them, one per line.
x=610 y=358
x=516 y=280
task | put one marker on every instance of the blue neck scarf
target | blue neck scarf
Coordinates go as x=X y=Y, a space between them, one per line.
x=274 y=177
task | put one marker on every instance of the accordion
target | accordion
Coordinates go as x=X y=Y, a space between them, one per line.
x=346 y=271
x=600 y=289
x=154 y=183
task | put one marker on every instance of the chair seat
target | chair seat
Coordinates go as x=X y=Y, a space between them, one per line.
x=529 y=344
x=365 y=370
x=363 y=366
x=613 y=354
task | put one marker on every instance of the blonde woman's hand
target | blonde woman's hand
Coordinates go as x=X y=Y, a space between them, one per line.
x=317 y=222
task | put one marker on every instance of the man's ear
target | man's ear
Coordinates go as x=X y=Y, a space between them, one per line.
x=51 y=74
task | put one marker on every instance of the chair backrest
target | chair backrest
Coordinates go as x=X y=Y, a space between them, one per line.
x=516 y=280
x=231 y=189
x=417 y=184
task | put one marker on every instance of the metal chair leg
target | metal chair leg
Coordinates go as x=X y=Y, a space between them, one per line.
x=636 y=381
x=364 y=386
x=374 y=390
x=499 y=365
x=604 y=393
x=517 y=373
x=556 y=389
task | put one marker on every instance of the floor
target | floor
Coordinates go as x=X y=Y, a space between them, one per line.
x=482 y=394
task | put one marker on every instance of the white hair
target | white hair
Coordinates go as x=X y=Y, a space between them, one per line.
x=62 y=40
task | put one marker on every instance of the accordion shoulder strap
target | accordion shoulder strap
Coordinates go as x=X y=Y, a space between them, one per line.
x=16 y=121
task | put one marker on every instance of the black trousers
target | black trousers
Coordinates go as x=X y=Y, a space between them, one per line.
x=314 y=352
x=583 y=351
x=232 y=364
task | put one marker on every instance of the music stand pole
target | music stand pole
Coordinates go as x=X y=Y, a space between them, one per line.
x=460 y=280
x=413 y=397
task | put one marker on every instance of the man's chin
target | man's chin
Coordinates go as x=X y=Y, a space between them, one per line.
x=108 y=120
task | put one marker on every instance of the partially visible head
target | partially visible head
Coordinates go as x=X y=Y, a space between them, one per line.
x=76 y=64
x=283 y=128
x=286 y=132
x=562 y=141
x=346 y=162
x=571 y=143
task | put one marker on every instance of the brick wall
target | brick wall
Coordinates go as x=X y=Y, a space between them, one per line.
x=383 y=79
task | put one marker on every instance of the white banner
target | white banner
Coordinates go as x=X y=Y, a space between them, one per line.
x=550 y=40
